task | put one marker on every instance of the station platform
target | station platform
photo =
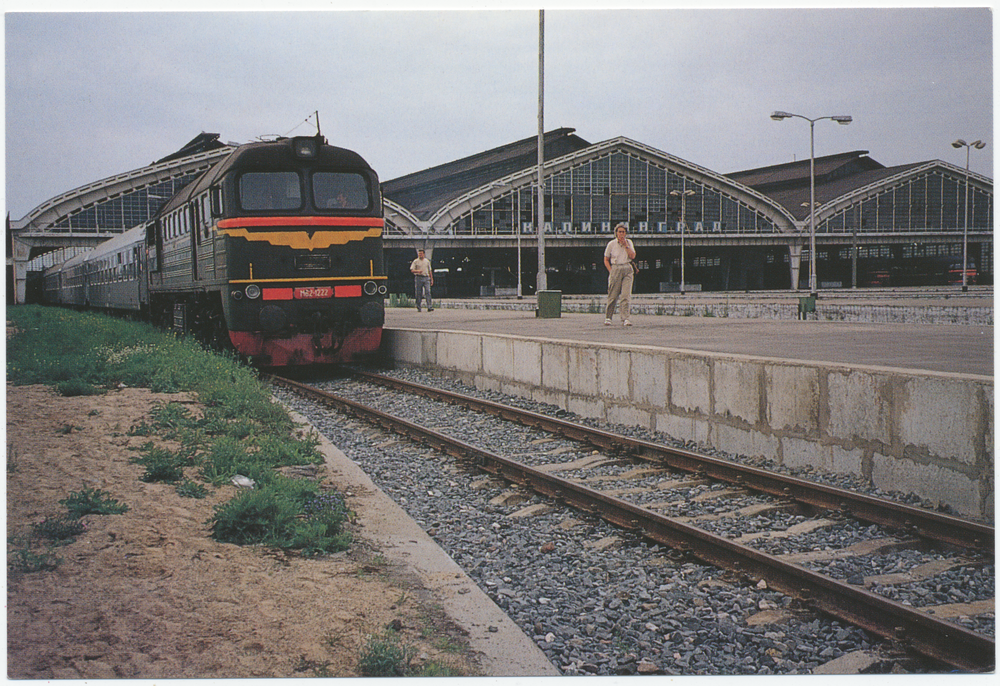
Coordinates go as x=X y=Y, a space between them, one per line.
x=948 y=348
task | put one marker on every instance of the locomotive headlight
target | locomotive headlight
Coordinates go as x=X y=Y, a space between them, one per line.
x=371 y=288
x=382 y=289
x=253 y=291
x=305 y=147
x=237 y=295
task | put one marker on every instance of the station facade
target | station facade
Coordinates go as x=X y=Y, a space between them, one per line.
x=874 y=225
x=475 y=217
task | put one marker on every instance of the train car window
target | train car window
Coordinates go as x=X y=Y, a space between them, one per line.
x=340 y=191
x=270 y=191
x=206 y=215
x=216 y=200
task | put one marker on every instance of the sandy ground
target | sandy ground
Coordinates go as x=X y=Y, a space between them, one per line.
x=148 y=594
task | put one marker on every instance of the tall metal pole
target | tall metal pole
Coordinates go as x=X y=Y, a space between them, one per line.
x=840 y=119
x=812 y=208
x=683 y=230
x=684 y=196
x=515 y=208
x=978 y=145
x=542 y=282
x=965 y=230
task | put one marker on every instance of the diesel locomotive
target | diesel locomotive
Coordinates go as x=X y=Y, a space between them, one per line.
x=276 y=250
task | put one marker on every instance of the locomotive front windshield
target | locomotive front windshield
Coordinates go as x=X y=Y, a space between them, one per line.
x=282 y=191
x=339 y=190
x=270 y=191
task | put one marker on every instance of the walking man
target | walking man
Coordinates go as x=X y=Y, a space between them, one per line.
x=423 y=279
x=618 y=256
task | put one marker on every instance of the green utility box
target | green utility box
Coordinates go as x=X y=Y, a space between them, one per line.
x=549 y=304
x=807 y=306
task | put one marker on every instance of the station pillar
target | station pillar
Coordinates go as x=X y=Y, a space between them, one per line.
x=795 y=263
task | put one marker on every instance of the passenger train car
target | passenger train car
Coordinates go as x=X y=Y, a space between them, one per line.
x=277 y=250
x=110 y=277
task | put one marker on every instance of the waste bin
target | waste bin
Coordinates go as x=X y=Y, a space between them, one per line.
x=807 y=306
x=549 y=304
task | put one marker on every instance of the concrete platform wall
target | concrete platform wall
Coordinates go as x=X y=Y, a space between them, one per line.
x=926 y=433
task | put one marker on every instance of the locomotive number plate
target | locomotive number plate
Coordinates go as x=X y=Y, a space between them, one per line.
x=314 y=292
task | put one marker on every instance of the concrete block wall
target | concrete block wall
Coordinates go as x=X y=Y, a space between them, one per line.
x=926 y=433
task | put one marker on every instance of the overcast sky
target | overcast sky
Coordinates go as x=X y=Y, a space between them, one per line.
x=90 y=95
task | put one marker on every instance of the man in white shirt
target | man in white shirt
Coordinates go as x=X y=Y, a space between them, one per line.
x=423 y=279
x=618 y=256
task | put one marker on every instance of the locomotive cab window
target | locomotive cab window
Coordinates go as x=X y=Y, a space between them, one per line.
x=339 y=191
x=270 y=191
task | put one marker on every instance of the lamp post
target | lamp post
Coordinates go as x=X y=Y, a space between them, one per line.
x=149 y=209
x=978 y=145
x=684 y=196
x=840 y=119
x=542 y=281
x=812 y=249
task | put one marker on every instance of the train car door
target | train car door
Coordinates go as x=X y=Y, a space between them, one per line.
x=139 y=274
x=206 y=250
x=195 y=233
x=154 y=250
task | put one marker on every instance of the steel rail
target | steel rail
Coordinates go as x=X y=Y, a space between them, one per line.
x=940 y=640
x=911 y=521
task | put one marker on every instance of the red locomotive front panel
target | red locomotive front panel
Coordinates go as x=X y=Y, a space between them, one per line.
x=307 y=349
x=304 y=290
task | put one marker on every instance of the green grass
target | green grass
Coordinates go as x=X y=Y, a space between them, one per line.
x=240 y=430
x=385 y=654
x=92 y=501
x=25 y=560
x=53 y=345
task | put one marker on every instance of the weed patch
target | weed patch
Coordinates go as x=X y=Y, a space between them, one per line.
x=92 y=501
x=77 y=387
x=60 y=529
x=285 y=513
x=161 y=464
x=241 y=430
x=24 y=560
x=191 y=489
x=385 y=654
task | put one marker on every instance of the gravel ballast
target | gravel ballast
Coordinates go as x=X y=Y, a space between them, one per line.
x=595 y=599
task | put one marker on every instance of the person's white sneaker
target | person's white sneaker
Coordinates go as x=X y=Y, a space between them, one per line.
x=626 y=323
x=607 y=322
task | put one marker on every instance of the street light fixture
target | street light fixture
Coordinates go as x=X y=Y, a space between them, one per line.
x=978 y=145
x=684 y=196
x=150 y=196
x=843 y=120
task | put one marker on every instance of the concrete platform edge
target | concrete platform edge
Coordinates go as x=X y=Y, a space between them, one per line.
x=927 y=433
x=505 y=652
x=710 y=354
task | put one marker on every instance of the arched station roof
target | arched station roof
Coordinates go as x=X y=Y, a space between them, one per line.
x=77 y=210
x=433 y=200
x=853 y=181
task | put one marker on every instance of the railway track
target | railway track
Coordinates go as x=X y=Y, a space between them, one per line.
x=690 y=535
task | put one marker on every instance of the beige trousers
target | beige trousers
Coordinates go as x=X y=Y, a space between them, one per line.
x=619 y=289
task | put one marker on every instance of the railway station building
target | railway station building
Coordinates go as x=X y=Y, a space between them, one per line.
x=748 y=230
x=475 y=217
